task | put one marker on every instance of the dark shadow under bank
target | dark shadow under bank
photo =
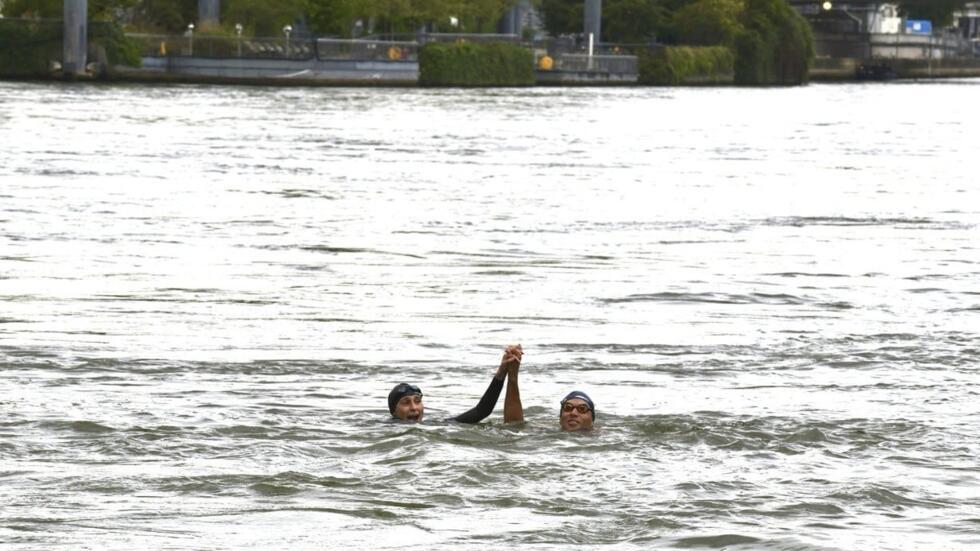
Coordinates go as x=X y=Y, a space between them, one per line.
x=850 y=69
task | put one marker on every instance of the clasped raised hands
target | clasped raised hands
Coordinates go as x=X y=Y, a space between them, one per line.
x=512 y=358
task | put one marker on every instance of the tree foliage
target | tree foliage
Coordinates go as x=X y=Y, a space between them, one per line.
x=102 y=10
x=562 y=16
x=673 y=65
x=775 y=45
x=27 y=50
x=340 y=17
x=624 y=21
x=169 y=16
x=632 y=21
x=708 y=22
x=267 y=17
x=261 y=17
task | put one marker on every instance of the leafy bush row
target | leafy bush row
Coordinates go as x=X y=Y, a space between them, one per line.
x=469 y=64
x=753 y=42
x=672 y=65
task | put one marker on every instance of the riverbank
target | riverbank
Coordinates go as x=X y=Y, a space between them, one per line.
x=272 y=72
x=568 y=70
x=849 y=69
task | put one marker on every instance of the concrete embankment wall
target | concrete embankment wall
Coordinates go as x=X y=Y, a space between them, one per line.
x=582 y=78
x=845 y=69
x=323 y=72
x=281 y=72
x=274 y=71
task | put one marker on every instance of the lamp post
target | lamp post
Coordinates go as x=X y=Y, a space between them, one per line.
x=190 y=38
x=287 y=30
x=238 y=32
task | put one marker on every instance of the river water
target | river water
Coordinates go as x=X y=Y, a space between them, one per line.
x=771 y=295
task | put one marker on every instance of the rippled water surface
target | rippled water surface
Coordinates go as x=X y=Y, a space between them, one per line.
x=771 y=295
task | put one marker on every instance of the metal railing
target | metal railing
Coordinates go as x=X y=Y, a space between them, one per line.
x=366 y=50
x=891 y=45
x=158 y=45
x=609 y=58
x=584 y=63
x=465 y=37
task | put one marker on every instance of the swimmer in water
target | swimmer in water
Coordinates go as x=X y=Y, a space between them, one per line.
x=405 y=400
x=577 y=411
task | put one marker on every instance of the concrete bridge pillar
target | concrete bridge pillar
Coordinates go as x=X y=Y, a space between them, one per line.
x=74 y=51
x=513 y=20
x=593 y=19
x=208 y=12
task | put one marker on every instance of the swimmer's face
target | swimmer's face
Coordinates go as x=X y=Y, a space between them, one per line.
x=410 y=408
x=575 y=415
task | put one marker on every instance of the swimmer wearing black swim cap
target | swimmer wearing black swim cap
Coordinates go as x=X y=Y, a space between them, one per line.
x=577 y=412
x=405 y=400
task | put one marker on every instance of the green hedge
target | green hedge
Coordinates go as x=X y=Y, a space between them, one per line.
x=672 y=65
x=119 y=49
x=27 y=47
x=468 y=64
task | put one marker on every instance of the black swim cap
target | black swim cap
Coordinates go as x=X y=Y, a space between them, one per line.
x=581 y=396
x=400 y=391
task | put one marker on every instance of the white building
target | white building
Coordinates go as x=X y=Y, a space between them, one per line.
x=875 y=30
x=968 y=21
x=850 y=17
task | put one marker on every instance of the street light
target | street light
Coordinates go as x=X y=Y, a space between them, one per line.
x=287 y=29
x=238 y=31
x=827 y=6
x=190 y=36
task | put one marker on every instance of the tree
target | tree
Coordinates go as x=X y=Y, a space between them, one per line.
x=262 y=17
x=775 y=45
x=563 y=16
x=631 y=21
x=170 y=16
x=339 y=17
x=105 y=10
x=708 y=23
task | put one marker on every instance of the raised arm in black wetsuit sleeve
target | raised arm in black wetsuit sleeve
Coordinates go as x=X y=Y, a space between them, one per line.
x=405 y=400
x=508 y=367
x=483 y=409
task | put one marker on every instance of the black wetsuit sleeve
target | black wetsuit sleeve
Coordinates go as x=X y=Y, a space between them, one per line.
x=483 y=409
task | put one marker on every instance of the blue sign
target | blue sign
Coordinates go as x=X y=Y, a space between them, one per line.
x=917 y=26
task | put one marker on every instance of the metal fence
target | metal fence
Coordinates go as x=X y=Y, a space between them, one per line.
x=463 y=37
x=609 y=58
x=156 y=45
x=366 y=50
x=584 y=63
